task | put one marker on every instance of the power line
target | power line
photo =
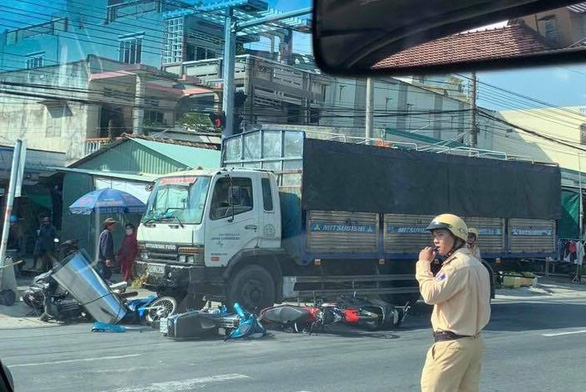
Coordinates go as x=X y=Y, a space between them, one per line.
x=552 y=139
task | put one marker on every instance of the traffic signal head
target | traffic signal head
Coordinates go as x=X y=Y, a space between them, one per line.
x=219 y=120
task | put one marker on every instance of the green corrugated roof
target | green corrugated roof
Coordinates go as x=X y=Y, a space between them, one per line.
x=186 y=155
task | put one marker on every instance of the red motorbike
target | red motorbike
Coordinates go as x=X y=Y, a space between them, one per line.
x=347 y=310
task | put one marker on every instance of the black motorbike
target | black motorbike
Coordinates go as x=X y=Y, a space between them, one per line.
x=47 y=298
x=51 y=301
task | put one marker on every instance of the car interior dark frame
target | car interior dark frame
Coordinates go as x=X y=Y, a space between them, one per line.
x=360 y=64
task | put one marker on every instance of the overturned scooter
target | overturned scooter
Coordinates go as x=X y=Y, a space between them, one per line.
x=208 y=322
x=105 y=303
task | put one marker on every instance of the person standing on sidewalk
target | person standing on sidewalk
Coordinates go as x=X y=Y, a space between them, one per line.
x=106 y=249
x=128 y=251
x=45 y=245
x=460 y=295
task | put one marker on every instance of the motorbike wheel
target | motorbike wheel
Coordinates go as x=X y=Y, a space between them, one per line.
x=373 y=325
x=160 y=308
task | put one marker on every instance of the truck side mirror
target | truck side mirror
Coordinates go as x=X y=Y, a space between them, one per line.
x=231 y=197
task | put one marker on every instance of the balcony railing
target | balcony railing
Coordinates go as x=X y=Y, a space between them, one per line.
x=94 y=144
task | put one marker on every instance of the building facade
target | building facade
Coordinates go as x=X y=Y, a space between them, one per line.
x=71 y=107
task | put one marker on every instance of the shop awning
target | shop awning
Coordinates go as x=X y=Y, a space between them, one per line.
x=147 y=178
x=38 y=164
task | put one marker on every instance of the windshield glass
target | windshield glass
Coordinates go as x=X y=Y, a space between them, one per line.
x=178 y=197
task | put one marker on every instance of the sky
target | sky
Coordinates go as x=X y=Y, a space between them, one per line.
x=13 y=12
x=557 y=85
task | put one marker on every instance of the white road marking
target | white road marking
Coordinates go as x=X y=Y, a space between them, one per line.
x=549 y=335
x=183 y=385
x=72 y=361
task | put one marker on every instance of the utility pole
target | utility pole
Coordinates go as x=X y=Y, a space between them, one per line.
x=577 y=276
x=474 y=129
x=231 y=27
x=12 y=191
x=369 y=109
x=228 y=74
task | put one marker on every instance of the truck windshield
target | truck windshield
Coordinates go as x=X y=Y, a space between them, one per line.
x=178 y=197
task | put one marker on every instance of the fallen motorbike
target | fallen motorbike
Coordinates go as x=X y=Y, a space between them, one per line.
x=372 y=315
x=51 y=301
x=73 y=290
x=47 y=298
x=208 y=322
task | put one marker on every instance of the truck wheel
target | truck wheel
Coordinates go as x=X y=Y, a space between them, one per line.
x=252 y=287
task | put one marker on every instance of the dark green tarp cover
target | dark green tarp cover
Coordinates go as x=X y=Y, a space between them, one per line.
x=350 y=177
x=569 y=223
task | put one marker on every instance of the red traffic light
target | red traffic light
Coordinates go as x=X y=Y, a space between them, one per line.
x=218 y=119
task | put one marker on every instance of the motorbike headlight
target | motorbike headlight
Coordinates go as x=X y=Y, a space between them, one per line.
x=182 y=258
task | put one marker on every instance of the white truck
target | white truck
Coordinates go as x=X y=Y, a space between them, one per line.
x=288 y=217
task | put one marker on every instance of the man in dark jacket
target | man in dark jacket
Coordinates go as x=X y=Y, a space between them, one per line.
x=106 y=249
x=45 y=244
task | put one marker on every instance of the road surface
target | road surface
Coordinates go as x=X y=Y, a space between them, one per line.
x=532 y=345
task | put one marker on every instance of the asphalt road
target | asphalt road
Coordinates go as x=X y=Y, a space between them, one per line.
x=531 y=346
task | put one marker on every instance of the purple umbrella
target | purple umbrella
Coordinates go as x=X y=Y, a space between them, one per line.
x=109 y=201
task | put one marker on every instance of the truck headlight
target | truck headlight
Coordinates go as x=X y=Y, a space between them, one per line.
x=144 y=255
x=194 y=255
x=182 y=258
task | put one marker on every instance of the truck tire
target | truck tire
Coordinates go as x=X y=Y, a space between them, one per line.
x=252 y=287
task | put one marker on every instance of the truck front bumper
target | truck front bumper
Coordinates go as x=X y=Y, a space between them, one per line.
x=160 y=275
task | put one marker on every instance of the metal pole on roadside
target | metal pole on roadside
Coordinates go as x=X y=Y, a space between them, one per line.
x=369 y=109
x=9 y=203
x=474 y=129
x=580 y=223
x=228 y=74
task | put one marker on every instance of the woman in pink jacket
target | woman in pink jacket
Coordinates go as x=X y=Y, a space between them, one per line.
x=128 y=252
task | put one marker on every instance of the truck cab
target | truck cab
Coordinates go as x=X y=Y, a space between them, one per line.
x=198 y=222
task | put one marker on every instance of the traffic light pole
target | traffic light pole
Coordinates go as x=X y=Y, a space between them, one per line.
x=228 y=74
x=230 y=28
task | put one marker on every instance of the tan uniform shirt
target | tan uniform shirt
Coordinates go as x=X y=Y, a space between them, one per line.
x=475 y=251
x=460 y=293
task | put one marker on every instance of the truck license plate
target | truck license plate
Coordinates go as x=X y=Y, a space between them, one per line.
x=157 y=269
x=163 y=325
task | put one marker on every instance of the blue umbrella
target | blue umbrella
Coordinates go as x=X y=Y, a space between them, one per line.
x=109 y=201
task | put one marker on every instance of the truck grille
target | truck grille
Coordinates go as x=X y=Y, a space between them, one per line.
x=159 y=256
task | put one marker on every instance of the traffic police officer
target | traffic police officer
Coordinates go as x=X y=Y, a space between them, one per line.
x=472 y=243
x=460 y=293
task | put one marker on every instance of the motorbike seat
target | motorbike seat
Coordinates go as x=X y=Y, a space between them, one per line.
x=286 y=314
